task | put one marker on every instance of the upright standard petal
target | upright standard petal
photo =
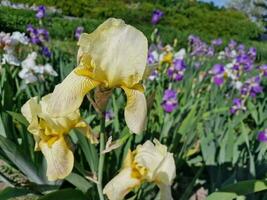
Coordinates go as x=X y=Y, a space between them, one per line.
x=119 y=53
x=68 y=95
x=135 y=110
x=121 y=185
x=59 y=158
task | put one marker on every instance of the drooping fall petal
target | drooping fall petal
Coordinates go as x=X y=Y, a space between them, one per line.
x=121 y=184
x=135 y=110
x=118 y=51
x=59 y=158
x=68 y=95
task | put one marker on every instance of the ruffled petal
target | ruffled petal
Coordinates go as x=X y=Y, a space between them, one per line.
x=121 y=185
x=59 y=158
x=136 y=110
x=119 y=52
x=165 y=192
x=68 y=95
x=30 y=111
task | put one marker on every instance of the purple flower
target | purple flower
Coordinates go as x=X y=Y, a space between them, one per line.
x=152 y=57
x=244 y=62
x=43 y=34
x=252 y=87
x=46 y=52
x=154 y=75
x=232 y=44
x=169 y=102
x=40 y=12
x=238 y=104
x=252 y=53
x=109 y=115
x=79 y=30
x=218 y=74
x=37 y=36
x=156 y=16
x=176 y=71
x=263 y=68
x=262 y=136
x=217 y=42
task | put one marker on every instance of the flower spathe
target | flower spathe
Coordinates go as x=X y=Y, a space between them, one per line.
x=148 y=163
x=50 y=135
x=113 y=56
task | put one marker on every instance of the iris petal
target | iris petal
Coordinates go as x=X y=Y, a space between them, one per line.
x=135 y=110
x=59 y=158
x=68 y=95
x=120 y=185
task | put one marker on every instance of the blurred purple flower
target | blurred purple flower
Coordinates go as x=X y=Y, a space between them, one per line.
x=37 y=36
x=263 y=68
x=46 y=52
x=262 y=136
x=43 y=34
x=79 y=30
x=252 y=53
x=217 y=42
x=109 y=115
x=154 y=75
x=169 y=102
x=176 y=71
x=232 y=44
x=252 y=87
x=237 y=105
x=243 y=62
x=40 y=12
x=218 y=74
x=156 y=16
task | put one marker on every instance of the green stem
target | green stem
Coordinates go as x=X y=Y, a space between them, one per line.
x=101 y=158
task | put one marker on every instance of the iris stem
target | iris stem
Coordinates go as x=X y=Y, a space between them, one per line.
x=101 y=157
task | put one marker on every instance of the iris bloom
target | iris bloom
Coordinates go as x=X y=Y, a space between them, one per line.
x=113 y=56
x=50 y=135
x=148 y=163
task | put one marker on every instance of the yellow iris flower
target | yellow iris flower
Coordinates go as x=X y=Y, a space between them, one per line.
x=113 y=56
x=149 y=162
x=50 y=135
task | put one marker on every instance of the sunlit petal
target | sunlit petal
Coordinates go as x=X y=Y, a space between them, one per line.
x=59 y=158
x=119 y=52
x=68 y=95
x=85 y=129
x=165 y=192
x=121 y=185
x=135 y=110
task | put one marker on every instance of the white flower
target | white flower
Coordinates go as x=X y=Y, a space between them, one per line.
x=18 y=37
x=28 y=76
x=237 y=84
x=9 y=58
x=29 y=62
x=48 y=69
x=180 y=54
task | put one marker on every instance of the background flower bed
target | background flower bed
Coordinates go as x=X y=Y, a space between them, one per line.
x=212 y=147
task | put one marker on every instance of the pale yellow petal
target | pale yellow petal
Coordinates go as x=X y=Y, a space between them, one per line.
x=166 y=171
x=59 y=159
x=165 y=192
x=121 y=185
x=119 y=52
x=135 y=110
x=30 y=111
x=68 y=95
x=149 y=157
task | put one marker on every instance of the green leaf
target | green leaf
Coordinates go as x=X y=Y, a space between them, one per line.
x=12 y=152
x=239 y=189
x=80 y=182
x=66 y=194
x=18 y=117
x=9 y=192
x=188 y=121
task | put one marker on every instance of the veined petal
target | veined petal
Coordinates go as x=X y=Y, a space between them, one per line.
x=121 y=185
x=165 y=192
x=118 y=51
x=135 y=110
x=59 y=158
x=68 y=95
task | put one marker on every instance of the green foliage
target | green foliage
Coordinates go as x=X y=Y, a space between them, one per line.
x=179 y=20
